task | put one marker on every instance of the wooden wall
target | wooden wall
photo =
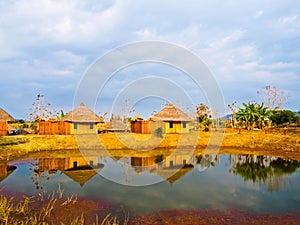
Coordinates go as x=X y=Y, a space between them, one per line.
x=141 y=127
x=3 y=128
x=54 y=128
x=146 y=127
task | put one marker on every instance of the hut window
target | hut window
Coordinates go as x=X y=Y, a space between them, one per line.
x=91 y=163
x=75 y=126
x=91 y=126
x=75 y=164
x=184 y=162
x=170 y=124
x=184 y=124
x=171 y=163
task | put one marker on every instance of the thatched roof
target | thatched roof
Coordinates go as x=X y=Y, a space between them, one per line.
x=117 y=125
x=171 y=113
x=4 y=116
x=82 y=114
x=171 y=176
x=81 y=176
x=137 y=118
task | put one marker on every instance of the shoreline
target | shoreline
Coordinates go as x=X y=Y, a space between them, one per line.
x=248 y=142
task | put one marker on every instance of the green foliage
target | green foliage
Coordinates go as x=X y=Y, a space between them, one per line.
x=158 y=132
x=159 y=158
x=60 y=114
x=253 y=114
x=283 y=117
x=257 y=170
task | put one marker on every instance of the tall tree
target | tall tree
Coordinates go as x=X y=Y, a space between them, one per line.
x=234 y=109
x=40 y=110
x=273 y=97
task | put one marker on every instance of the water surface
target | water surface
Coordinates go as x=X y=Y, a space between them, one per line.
x=243 y=182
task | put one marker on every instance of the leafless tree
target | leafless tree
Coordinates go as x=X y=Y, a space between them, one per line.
x=234 y=109
x=40 y=110
x=272 y=97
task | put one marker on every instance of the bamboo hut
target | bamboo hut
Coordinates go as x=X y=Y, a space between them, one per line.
x=82 y=120
x=5 y=118
x=174 y=120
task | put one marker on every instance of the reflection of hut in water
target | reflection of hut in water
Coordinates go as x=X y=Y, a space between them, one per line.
x=5 y=118
x=174 y=167
x=142 y=164
x=5 y=170
x=79 y=169
x=83 y=120
x=171 y=168
x=174 y=174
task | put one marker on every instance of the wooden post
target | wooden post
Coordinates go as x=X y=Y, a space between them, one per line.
x=284 y=131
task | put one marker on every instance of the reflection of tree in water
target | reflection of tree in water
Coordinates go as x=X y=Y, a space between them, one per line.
x=206 y=160
x=265 y=169
x=38 y=176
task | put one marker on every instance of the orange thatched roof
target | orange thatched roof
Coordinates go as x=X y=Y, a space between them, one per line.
x=4 y=116
x=82 y=114
x=171 y=113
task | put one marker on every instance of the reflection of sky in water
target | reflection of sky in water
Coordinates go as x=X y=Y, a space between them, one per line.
x=215 y=187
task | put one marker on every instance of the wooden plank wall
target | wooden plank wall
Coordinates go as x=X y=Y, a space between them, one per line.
x=141 y=127
x=54 y=128
x=146 y=127
x=3 y=128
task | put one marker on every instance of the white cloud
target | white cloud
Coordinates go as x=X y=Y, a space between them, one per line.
x=48 y=43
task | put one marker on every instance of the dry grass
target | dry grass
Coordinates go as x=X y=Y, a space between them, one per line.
x=132 y=144
x=52 y=210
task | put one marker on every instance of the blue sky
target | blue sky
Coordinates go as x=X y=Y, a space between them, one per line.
x=47 y=46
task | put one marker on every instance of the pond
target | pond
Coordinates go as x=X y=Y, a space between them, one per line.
x=149 y=184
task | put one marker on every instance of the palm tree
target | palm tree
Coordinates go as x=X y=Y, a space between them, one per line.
x=253 y=113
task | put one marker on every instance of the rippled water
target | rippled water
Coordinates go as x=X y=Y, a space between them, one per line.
x=243 y=182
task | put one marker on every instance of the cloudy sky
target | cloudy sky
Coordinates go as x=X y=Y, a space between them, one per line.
x=47 y=47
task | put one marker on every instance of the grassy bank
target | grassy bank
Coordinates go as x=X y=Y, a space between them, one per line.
x=55 y=209
x=247 y=141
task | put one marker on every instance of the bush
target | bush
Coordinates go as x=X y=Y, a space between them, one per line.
x=158 y=132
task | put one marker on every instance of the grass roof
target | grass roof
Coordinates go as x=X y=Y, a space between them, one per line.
x=82 y=114
x=171 y=113
x=4 y=116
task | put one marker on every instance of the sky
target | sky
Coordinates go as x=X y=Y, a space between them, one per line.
x=48 y=46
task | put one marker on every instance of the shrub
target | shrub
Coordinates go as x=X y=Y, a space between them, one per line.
x=158 y=132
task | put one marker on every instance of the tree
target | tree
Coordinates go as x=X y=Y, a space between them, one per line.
x=283 y=117
x=273 y=97
x=253 y=114
x=40 y=110
x=234 y=109
x=204 y=116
